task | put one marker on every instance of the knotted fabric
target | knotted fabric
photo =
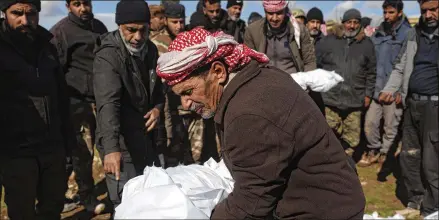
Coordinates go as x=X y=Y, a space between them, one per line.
x=196 y=48
x=274 y=5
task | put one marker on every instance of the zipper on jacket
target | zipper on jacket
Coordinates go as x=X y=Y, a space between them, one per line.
x=45 y=102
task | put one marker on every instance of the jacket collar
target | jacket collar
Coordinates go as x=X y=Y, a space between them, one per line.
x=242 y=77
x=403 y=22
x=82 y=24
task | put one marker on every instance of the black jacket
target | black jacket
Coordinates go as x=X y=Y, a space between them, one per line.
x=228 y=26
x=75 y=42
x=122 y=98
x=355 y=61
x=34 y=105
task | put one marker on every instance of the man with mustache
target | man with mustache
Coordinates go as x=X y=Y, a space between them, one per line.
x=415 y=76
x=351 y=54
x=274 y=140
x=129 y=97
x=35 y=123
x=287 y=43
x=176 y=149
x=75 y=38
x=235 y=25
x=314 y=21
x=388 y=40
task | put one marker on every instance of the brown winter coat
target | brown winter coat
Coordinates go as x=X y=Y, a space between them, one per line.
x=285 y=159
x=255 y=38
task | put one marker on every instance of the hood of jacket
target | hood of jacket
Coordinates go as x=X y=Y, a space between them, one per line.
x=339 y=32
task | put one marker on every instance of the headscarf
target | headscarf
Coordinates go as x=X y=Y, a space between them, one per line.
x=198 y=47
x=274 y=5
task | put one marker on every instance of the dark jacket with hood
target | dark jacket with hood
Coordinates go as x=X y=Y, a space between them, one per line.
x=75 y=42
x=387 y=47
x=34 y=104
x=284 y=158
x=122 y=99
x=354 y=59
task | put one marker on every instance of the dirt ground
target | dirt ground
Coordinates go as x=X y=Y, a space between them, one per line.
x=383 y=196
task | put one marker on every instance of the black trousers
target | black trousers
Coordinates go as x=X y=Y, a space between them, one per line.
x=37 y=176
x=84 y=123
x=419 y=154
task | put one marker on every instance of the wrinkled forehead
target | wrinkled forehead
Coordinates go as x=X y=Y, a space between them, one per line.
x=429 y=5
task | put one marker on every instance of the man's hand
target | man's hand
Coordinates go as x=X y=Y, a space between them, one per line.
x=386 y=98
x=153 y=118
x=112 y=164
x=367 y=101
x=398 y=99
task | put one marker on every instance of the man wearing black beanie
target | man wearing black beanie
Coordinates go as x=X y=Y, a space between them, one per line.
x=314 y=21
x=235 y=26
x=129 y=97
x=35 y=124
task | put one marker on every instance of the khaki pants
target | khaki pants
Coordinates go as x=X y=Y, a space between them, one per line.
x=346 y=124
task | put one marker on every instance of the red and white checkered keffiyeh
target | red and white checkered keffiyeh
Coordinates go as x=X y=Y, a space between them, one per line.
x=196 y=48
x=274 y=5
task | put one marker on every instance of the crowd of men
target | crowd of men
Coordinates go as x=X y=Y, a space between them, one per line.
x=160 y=92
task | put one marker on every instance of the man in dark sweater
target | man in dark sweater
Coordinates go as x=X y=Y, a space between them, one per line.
x=415 y=76
x=74 y=38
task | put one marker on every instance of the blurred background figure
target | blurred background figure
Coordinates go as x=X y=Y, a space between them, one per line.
x=254 y=16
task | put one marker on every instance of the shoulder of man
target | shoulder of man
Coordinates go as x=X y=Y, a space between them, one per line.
x=162 y=41
x=99 y=26
x=59 y=26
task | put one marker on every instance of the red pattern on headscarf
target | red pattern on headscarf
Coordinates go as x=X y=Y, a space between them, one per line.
x=274 y=5
x=234 y=55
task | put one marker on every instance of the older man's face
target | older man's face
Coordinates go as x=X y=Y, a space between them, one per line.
x=275 y=19
x=135 y=34
x=430 y=11
x=22 y=17
x=314 y=27
x=351 y=27
x=235 y=12
x=202 y=93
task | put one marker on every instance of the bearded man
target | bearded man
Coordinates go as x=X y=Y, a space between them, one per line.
x=35 y=125
x=415 y=75
x=274 y=141
x=351 y=54
x=129 y=97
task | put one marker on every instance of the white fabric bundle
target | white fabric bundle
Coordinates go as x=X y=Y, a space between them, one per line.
x=317 y=80
x=183 y=192
x=376 y=216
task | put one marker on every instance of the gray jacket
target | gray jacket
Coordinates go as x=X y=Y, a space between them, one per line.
x=403 y=65
x=122 y=99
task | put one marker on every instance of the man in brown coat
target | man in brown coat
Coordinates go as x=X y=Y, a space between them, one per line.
x=284 y=158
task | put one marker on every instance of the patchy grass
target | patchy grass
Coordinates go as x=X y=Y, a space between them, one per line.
x=380 y=196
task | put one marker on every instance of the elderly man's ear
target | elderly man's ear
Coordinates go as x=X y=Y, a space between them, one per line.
x=218 y=69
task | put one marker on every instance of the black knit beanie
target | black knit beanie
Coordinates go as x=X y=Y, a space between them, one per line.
x=351 y=14
x=129 y=11
x=5 y=4
x=197 y=19
x=315 y=14
x=231 y=3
